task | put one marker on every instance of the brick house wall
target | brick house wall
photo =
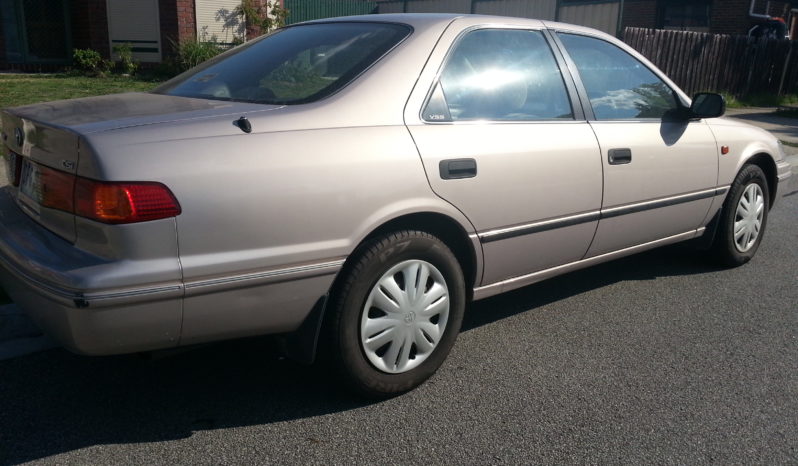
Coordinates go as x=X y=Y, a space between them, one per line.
x=640 y=13
x=731 y=16
x=726 y=16
x=90 y=26
x=178 y=23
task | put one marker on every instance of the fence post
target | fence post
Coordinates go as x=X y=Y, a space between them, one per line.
x=751 y=67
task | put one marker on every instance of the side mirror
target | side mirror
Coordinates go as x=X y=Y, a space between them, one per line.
x=707 y=105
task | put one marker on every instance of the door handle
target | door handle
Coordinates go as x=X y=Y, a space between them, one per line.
x=619 y=156
x=454 y=169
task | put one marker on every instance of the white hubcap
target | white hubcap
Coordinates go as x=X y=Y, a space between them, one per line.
x=404 y=316
x=748 y=218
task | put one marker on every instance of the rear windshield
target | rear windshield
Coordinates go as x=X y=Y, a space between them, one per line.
x=294 y=65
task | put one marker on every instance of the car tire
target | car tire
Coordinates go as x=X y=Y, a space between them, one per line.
x=743 y=218
x=386 y=336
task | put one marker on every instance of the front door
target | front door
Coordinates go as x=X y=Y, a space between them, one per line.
x=660 y=171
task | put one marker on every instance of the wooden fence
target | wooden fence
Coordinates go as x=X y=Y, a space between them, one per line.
x=714 y=62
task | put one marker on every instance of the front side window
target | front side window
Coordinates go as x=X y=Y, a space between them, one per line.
x=618 y=85
x=295 y=65
x=500 y=74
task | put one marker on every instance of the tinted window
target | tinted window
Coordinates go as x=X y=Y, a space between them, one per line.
x=295 y=65
x=500 y=74
x=618 y=85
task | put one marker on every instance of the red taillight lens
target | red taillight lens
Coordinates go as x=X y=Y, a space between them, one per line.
x=55 y=189
x=107 y=202
x=124 y=202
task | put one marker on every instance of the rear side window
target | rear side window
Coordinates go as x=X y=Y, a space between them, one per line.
x=618 y=85
x=500 y=74
x=295 y=65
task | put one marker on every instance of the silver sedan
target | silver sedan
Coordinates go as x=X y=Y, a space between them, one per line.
x=351 y=184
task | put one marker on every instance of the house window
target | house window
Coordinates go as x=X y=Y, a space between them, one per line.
x=684 y=15
x=36 y=31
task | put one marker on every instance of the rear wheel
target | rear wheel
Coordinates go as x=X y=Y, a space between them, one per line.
x=396 y=313
x=744 y=217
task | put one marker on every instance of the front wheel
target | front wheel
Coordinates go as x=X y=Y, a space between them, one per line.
x=744 y=217
x=396 y=313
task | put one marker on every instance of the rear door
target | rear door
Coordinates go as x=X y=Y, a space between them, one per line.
x=500 y=139
x=660 y=170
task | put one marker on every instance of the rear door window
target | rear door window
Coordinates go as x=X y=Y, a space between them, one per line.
x=295 y=65
x=500 y=74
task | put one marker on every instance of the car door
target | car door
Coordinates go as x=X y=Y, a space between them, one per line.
x=660 y=170
x=500 y=140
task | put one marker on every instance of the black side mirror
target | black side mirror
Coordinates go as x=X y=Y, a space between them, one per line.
x=707 y=105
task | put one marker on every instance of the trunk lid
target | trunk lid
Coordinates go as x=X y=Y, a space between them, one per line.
x=45 y=136
x=30 y=144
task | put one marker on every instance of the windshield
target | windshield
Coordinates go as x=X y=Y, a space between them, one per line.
x=294 y=65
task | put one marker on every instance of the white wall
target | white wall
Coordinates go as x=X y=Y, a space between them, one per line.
x=216 y=18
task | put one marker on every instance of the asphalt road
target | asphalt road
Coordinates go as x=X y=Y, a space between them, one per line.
x=656 y=358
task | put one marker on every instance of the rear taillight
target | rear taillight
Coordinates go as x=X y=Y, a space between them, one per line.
x=124 y=202
x=107 y=202
x=55 y=189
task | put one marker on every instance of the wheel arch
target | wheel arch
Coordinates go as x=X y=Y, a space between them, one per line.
x=302 y=345
x=764 y=161
x=444 y=227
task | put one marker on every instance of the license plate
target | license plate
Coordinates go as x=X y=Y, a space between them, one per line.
x=30 y=189
x=11 y=166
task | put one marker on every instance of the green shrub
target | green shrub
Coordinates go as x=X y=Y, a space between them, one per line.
x=90 y=61
x=262 y=18
x=759 y=100
x=126 y=62
x=192 y=52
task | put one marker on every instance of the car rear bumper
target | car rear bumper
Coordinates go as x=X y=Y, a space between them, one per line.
x=88 y=326
x=46 y=276
x=54 y=282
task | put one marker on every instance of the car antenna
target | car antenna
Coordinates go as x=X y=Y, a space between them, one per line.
x=243 y=124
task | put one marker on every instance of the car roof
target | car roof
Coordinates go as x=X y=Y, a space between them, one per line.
x=412 y=19
x=424 y=20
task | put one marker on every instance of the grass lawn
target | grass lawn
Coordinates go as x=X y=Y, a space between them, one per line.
x=23 y=89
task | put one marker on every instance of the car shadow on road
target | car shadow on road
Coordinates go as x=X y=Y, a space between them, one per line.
x=55 y=402
x=677 y=259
